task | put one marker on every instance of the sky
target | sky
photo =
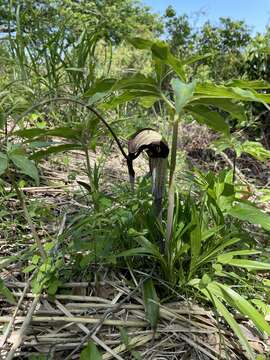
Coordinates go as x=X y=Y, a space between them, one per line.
x=256 y=13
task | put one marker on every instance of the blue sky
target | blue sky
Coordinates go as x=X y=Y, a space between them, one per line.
x=256 y=13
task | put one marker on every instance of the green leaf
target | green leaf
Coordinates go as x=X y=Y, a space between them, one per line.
x=249 y=264
x=213 y=293
x=2 y=120
x=247 y=84
x=233 y=324
x=124 y=336
x=138 y=82
x=3 y=163
x=150 y=303
x=86 y=186
x=212 y=119
x=53 y=286
x=25 y=165
x=29 y=268
x=63 y=132
x=223 y=258
x=37 y=357
x=182 y=93
x=30 y=133
x=160 y=49
x=152 y=248
x=212 y=253
x=192 y=59
x=6 y=293
x=161 y=52
x=54 y=150
x=73 y=69
x=209 y=90
x=256 y=149
x=236 y=110
x=136 y=252
x=148 y=101
x=195 y=239
x=128 y=96
x=140 y=43
x=101 y=86
x=246 y=212
x=244 y=307
x=262 y=306
x=90 y=352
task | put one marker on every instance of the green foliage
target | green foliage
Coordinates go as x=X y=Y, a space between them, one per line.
x=204 y=242
x=49 y=270
x=183 y=94
x=247 y=212
x=209 y=251
x=25 y=165
x=90 y=352
x=150 y=302
x=4 y=291
x=3 y=163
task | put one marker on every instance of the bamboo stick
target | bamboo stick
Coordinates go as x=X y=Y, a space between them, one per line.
x=78 y=319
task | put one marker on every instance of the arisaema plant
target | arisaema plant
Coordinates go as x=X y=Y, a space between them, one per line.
x=206 y=103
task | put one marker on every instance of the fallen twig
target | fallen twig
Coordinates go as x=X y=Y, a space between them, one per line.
x=26 y=322
x=10 y=324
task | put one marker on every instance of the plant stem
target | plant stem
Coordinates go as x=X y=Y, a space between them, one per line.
x=30 y=222
x=171 y=185
x=88 y=165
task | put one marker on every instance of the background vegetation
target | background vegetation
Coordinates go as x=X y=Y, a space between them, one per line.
x=77 y=79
